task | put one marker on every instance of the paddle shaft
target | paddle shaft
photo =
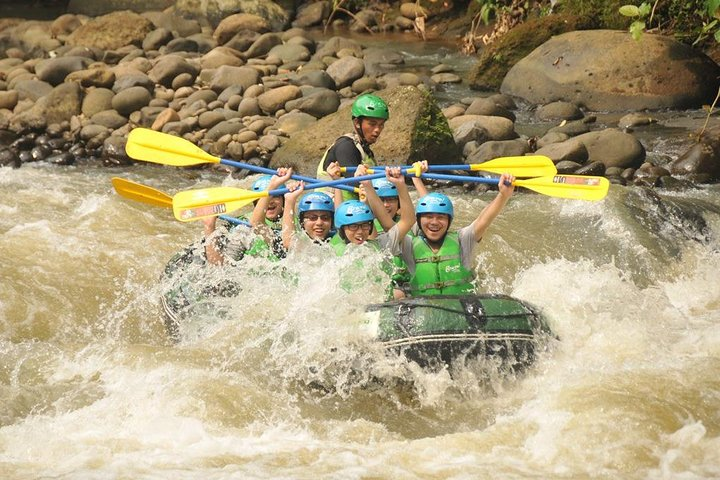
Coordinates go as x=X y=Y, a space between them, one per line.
x=332 y=183
x=234 y=221
x=270 y=171
x=460 y=178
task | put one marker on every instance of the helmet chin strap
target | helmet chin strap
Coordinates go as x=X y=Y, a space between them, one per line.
x=358 y=130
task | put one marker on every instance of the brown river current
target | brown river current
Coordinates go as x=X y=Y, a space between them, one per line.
x=91 y=388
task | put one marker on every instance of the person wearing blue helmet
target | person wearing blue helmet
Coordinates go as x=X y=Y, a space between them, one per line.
x=267 y=209
x=354 y=221
x=368 y=114
x=314 y=216
x=440 y=262
x=389 y=196
x=267 y=240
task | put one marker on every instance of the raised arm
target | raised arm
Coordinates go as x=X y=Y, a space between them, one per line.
x=288 y=219
x=488 y=214
x=333 y=170
x=407 y=209
x=212 y=252
x=277 y=180
x=373 y=200
x=417 y=181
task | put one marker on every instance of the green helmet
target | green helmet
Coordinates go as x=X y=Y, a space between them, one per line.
x=370 y=106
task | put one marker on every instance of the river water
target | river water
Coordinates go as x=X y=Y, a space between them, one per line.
x=91 y=387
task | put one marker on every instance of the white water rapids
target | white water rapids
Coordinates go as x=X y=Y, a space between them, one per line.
x=91 y=388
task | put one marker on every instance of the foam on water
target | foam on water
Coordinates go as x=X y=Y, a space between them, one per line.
x=286 y=383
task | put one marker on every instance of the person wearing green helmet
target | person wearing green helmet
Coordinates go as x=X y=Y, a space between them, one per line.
x=369 y=113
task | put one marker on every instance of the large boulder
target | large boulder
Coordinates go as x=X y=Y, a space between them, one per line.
x=417 y=130
x=608 y=70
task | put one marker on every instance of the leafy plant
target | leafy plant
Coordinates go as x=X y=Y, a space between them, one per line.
x=638 y=14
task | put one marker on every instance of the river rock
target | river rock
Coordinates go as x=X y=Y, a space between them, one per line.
x=559 y=111
x=97 y=100
x=275 y=99
x=54 y=70
x=231 y=25
x=293 y=122
x=497 y=128
x=93 y=9
x=416 y=130
x=100 y=76
x=130 y=100
x=346 y=70
x=608 y=70
x=613 y=148
x=109 y=118
x=263 y=45
x=112 y=31
x=635 y=120
x=31 y=89
x=319 y=103
x=311 y=14
x=8 y=99
x=702 y=159
x=157 y=38
x=495 y=149
x=569 y=150
x=488 y=107
x=216 y=10
x=226 y=76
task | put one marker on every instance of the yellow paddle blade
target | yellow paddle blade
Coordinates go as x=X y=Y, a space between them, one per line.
x=522 y=166
x=141 y=193
x=210 y=202
x=578 y=187
x=157 y=147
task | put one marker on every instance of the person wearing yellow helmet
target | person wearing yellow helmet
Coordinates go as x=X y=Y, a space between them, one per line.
x=369 y=114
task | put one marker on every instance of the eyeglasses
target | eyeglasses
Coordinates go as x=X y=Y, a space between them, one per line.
x=367 y=226
x=314 y=217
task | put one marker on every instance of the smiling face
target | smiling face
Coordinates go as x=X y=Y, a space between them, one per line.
x=371 y=128
x=317 y=224
x=434 y=226
x=274 y=208
x=391 y=204
x=358 y=233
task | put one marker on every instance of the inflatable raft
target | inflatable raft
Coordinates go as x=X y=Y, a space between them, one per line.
x=431 y=331
x=440 y=330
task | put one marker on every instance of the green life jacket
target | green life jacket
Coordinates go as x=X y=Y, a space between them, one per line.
x=321 y=174
x=349 y=280
x=440 y=273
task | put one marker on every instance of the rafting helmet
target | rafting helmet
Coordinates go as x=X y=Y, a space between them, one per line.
x=315 y=201
x=384 y=188
x=370 y=106
x=435 y=203
x=262 y=183
x=352 y=211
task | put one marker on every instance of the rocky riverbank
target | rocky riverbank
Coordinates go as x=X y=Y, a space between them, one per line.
x=71 y=89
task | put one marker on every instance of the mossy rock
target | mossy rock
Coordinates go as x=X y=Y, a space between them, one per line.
x=497 y=59
x=417 y=130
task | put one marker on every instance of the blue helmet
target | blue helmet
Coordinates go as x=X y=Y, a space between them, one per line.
x=262 y=183
x=384 y=188
x=315 y=201
x=435 y=203
x=352 y=211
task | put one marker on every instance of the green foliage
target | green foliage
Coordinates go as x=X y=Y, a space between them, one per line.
x=691 y=21
x=638 y=15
